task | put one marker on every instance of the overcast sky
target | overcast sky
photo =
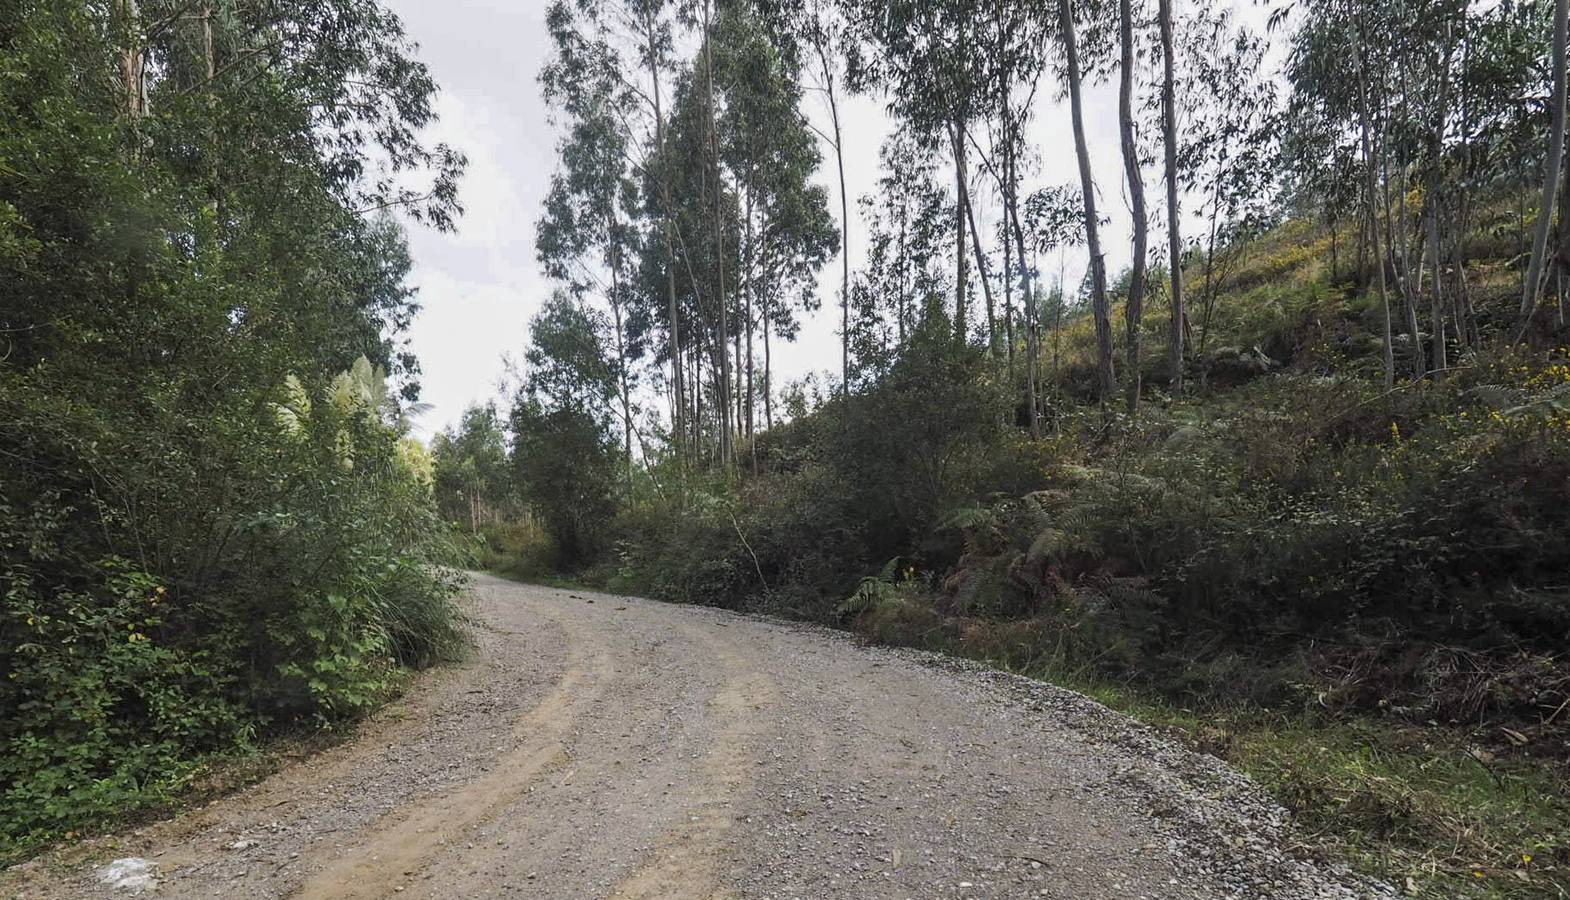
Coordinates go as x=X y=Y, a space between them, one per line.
x=480 y=286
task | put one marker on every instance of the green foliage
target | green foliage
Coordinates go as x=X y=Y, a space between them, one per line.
x=470 y=474
x=211 y=525
x=565 y=460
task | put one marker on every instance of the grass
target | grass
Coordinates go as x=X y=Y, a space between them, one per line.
x=1416 y=805
x=1419 y=806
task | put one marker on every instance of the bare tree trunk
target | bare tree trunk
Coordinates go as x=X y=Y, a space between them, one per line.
x=133 y=61
x=839 y=161
x=1371 y=186
x=1436 y=307
x=751 y=282
x=1531 y=287
x=679 y=392
x=763 y=296
x=1174 y=216
x=1027 y=297
x=1106 y=378
x=975 y=244
x=1134 y=311
x=621 y=359
x=960 y=277
x=723 y=384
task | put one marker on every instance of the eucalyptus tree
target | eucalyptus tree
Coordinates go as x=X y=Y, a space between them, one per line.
x=703 y=219
x=1054 y=220
x=563 y=454
x=903 y=279
x=587 y=235
x=1106 y=378
x=1427 y=98
x=196 y=242
x=1169 y=147
x=471 y=477
x=768 y=145
x=1011 y=71
x=1228 y=122
x=928 y=55
x=816 y=35
x=1135 y=178
x=1532 y=282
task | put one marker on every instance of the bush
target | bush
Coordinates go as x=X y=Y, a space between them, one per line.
x=167 y=599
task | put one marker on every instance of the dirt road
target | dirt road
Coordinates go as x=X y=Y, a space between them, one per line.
x=601 y=746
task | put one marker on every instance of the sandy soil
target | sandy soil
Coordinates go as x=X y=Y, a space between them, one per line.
x=603 y=746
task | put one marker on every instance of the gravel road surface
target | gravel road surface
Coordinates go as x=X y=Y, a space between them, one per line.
x=601 y=746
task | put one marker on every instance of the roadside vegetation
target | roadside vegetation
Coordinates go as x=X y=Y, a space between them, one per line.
x=213 y=526
x=1295 y=483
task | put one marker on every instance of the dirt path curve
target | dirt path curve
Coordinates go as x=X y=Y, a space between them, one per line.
x=602 y=746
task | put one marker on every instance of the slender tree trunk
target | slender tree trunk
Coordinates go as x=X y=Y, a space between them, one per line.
x=1436 y=309
x=673 y=331
x=975 y=244
x=1008 y=283
x=1028 y=300
x=1135 y=309
x=904 y=277
x=1335 y=260
x=1009 y=189
x=1371 y=188
x=1106 y=380
x=961 y=278
x=133 y=61
x=764 y=297
x=751 y=281
x=621 y=359
x=1408 y=276
x=1174 y=214
x=1531 y=287
x=839 y=161
x=723 y=385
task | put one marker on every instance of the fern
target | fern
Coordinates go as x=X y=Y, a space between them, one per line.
x=873 y=592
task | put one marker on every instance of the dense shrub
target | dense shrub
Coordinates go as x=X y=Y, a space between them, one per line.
x=209 y=530
x=165 y=598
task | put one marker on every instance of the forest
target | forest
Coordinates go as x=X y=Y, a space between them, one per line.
x=214 y=527
x=1293 y=483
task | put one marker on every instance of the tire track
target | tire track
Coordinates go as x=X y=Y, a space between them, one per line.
x=689 y=860
x=409 y=838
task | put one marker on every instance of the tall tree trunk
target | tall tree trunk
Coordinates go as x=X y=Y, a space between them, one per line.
x=1134 y=311
x=764 y=298
x=839 y=161
x=751 y=281
x=133 y=61
x=1009 y=189
x=723 y=384
x=1174 y=216
x=1436 y=308
x=1028 y=300
x=673 y=331
x=981 y=257
x=1532 y=285
x=621 y=359
x=961 y=278
x=1371 y=188
x=1106 y=381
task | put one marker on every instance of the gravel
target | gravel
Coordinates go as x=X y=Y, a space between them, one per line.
x=601 y=746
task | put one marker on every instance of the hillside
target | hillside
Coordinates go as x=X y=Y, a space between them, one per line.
x=1355 y=594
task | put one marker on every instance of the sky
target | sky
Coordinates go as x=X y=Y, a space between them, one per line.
x=480 y=285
